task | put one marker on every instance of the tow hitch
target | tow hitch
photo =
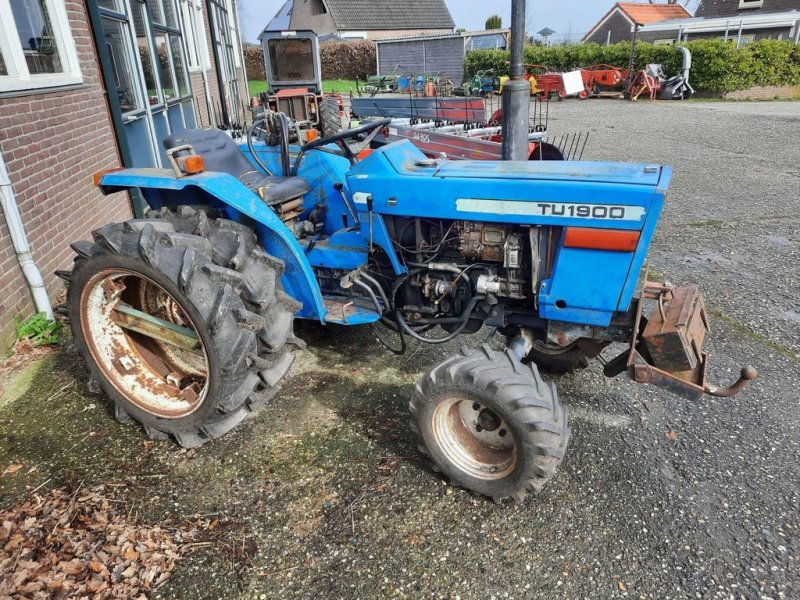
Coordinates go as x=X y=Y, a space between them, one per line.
x=666 y=349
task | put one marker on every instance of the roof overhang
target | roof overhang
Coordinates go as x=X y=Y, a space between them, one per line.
x=445 y=36
x=752 y=21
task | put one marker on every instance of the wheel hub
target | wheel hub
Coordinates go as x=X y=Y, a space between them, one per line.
x=488 y=420
x=144 y=343
x=474 y=437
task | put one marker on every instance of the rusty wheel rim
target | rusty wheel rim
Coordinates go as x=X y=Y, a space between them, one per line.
x=144 y=343
x=474 y=438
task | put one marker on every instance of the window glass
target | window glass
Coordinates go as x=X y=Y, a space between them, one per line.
x=115 y=5
x=145 y=54
x=291 y=60
x=36 y=34
x=179 y=65
x=162 y=52
x=114 y=33
x=170 y=15
x=187 y=16
x=3 y=69
x=156 y=12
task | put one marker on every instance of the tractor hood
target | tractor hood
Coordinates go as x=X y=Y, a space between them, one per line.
x=402 y=181
x=554 y=170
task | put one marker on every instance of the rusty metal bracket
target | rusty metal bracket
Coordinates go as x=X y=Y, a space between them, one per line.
x=667 y=350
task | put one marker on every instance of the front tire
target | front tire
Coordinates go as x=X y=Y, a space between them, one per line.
x=490 y=424
x=205 y=280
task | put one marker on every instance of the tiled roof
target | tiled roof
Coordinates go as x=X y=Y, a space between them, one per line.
x=644 y=14
x=355 y=15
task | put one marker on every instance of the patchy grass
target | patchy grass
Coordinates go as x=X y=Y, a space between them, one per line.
x=341 y=86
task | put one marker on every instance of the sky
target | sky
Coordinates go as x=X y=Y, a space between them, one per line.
x=569 y=18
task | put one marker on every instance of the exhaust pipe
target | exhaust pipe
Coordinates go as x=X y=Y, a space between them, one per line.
x=516 y=91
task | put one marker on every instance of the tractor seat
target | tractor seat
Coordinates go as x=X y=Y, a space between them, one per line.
x=220 y=153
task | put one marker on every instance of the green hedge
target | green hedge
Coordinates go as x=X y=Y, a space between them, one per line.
x=717 y=66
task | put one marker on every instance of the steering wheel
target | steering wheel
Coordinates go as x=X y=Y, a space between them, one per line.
x=372 y=128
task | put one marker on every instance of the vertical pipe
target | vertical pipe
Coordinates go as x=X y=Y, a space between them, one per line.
x=21 y=246
x=516 y=91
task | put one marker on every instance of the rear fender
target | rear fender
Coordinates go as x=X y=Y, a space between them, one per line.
x=161 y=187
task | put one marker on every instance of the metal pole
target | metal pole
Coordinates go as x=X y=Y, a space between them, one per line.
x=516 y=92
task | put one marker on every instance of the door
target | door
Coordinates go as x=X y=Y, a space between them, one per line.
x=145 y=70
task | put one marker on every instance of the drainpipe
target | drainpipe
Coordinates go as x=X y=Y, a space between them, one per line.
x=21 y=246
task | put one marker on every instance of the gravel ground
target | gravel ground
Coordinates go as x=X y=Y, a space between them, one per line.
x=322 y=495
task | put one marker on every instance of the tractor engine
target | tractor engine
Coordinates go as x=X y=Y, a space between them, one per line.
x=452 y=263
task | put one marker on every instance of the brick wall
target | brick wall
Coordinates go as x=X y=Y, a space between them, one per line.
x=52 y=143
x=730 y=8
x=618 y=25
x=790 y=92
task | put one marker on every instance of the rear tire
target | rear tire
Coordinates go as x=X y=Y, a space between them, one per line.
x=204 y=275
x=490 y=424
x=330 y=117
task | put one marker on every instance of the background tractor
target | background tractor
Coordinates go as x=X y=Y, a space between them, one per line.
x=294 y=82
x=186 y=316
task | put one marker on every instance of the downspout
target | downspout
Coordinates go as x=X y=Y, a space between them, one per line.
x=21 y=246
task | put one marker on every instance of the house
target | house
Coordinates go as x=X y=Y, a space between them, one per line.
x=739 y=21
x=87 y=85
x=364 y=19
x=619 y=22
x=443 y=54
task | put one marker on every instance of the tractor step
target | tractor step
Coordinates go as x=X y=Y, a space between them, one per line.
x=347 y=310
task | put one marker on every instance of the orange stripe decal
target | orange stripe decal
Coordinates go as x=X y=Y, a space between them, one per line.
x=601 y=239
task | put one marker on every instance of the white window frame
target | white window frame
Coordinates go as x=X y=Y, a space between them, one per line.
x=233 y=23
x=19 y=77
x=750 y=4
x=194 y=32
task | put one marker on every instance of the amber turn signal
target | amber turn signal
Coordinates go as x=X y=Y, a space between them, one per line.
x=96 y=177
x=601 y=239
x=193 y=164
x=311 y=135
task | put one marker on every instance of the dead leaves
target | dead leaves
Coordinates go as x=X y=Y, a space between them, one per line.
x=10 y=469
x=83 y=544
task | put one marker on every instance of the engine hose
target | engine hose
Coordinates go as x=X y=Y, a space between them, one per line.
x=378 y=334
x=464 y=320
x=259 y=162
x=379 y=287
x=385 y=342
x=371 y=294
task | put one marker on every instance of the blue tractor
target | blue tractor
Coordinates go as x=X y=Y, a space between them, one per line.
x=186 y=316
